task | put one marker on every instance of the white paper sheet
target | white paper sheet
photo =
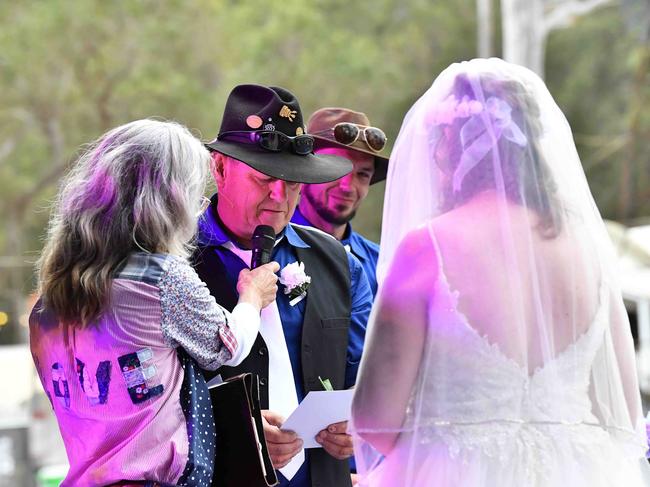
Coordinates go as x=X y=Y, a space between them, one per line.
x=316 y=412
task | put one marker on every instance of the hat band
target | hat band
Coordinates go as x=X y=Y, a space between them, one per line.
x=271 y=140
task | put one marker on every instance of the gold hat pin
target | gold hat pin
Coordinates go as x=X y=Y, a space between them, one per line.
x=287 y=112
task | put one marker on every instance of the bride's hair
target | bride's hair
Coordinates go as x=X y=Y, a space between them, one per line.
x=522 y=169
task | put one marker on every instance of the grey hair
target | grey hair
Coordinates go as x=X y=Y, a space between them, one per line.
x=138 y=187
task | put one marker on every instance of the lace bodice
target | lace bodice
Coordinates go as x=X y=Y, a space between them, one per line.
x=471 y=395
x=475 y=381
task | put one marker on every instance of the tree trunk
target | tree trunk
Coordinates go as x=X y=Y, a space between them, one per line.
x=633 y=184
x=527 y=23
x=484 y=26
x=523 y=33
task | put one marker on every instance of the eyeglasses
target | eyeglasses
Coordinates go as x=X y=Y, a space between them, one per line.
x=274 y=141
x=348 y=133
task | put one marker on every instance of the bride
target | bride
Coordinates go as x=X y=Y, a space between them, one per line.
x=499 y=350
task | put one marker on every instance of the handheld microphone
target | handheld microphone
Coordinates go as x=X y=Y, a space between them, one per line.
x=263 y=242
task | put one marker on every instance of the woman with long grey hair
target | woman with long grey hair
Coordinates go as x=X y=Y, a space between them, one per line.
x=123 y=322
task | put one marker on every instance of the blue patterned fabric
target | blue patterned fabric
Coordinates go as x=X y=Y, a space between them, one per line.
x=144 y=267
x=195 y=402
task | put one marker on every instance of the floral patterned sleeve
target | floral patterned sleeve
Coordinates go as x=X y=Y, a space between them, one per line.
x=192 y=319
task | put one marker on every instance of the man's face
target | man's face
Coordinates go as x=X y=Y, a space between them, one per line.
x=337 y=202
x=248 y=198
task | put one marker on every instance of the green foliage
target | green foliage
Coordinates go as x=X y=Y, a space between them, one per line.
x=71 y=70
x=600 y=76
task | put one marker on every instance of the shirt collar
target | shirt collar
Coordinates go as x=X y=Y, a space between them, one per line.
x=351 y=238
x=299 y=218
x=212 y=233
x=293 y=238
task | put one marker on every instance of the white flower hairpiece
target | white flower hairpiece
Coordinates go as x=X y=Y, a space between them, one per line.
x=451 y=108
x=478 y=135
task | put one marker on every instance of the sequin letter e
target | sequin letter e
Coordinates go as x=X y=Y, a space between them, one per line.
x=136 y=374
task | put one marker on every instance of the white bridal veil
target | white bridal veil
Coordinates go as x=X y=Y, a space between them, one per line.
x=498 y=306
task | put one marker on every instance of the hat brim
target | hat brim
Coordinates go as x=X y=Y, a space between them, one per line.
x=309 y=169
x=381 y=162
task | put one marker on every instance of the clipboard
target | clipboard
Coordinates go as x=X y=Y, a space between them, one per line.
x=242 y=457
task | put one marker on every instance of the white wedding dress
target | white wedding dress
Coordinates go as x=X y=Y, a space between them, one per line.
x=498 y=351
x=502 y=426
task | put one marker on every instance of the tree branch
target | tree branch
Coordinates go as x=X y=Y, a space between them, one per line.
x=551 y=4
x=59 y=164
x=562 y=14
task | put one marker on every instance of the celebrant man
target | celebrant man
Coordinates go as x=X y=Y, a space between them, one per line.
x=316 y=326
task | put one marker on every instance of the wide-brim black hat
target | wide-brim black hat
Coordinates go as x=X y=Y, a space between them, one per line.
x=256 y=108
x=322 y=122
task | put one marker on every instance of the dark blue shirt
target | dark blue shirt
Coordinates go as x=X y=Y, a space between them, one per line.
x=363 y=249
x=212 y=233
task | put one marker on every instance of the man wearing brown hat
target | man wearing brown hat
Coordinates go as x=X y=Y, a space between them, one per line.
x=316 y=326
x=330 y=206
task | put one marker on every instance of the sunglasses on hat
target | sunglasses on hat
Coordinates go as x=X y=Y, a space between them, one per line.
x=347 y=133
x=272 y=140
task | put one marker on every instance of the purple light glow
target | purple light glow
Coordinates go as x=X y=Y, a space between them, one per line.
x=102 y=192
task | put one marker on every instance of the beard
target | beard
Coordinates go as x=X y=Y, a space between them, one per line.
x=328 y=214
